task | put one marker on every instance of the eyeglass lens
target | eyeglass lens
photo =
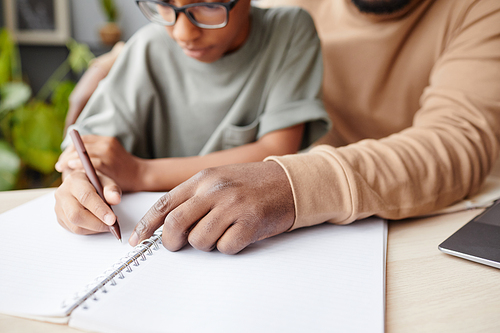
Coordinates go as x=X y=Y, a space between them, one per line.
x=205 y=14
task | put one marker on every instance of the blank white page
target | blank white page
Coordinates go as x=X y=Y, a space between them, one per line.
x=326 y=278
x=43 y=264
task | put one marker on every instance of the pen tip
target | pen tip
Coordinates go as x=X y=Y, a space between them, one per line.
x=116 y=231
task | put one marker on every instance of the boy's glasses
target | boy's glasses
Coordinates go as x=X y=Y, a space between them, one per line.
x=206 y=15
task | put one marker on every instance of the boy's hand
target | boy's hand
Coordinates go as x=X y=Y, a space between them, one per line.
x=109 y=157
x=227 y=207
x=80 y=209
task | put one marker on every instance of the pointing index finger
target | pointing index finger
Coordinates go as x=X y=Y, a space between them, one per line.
x=155 y=217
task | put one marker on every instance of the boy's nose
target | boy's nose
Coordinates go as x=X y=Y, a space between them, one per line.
x=184 y=30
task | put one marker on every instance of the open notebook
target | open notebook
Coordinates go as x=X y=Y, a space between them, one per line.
x=322 y=279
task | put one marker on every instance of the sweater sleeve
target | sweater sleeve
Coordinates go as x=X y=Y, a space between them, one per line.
x=443 y=157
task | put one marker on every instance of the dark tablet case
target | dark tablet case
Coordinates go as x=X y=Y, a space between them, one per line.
x=479 y=239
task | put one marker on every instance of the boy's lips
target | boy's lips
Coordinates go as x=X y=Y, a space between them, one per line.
x=196 y=52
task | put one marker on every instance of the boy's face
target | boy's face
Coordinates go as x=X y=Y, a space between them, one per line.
x=209 y=45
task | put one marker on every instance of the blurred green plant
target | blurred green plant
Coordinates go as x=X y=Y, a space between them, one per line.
x=110 y=10
x=31 y=127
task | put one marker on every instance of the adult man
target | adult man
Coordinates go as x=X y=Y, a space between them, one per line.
x=413 y=89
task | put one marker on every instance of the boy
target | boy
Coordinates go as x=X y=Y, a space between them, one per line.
x=225 y=83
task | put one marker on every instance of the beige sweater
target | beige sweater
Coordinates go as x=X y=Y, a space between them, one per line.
x=415 y=104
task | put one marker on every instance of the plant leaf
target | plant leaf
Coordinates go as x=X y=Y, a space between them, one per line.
x=13 y=95
x=79 y=56
x=60 y=97
x=5 y=56
x=10 y=61
x=110 y=10
x=10 y=164
x=37 y=135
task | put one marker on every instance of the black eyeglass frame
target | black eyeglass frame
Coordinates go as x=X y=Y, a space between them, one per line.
x=228 y=5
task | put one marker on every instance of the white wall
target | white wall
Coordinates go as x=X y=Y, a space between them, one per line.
x=87 y=17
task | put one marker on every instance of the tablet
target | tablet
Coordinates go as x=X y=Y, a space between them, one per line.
x=479 y=239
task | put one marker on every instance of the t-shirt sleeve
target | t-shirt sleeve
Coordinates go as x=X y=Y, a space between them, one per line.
x=295 y=95
x=120 y=104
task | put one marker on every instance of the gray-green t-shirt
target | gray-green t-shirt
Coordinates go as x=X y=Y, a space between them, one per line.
x=160 y=103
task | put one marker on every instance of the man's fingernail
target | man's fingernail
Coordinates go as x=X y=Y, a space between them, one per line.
x=109 y=219
x=134 y=239
x=57 y=166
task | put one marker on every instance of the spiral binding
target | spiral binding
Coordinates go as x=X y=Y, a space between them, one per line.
x=139 y=253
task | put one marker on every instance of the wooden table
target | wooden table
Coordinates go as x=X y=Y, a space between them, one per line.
x=427 y=291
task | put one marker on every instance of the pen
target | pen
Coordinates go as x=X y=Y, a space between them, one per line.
x=92 y=175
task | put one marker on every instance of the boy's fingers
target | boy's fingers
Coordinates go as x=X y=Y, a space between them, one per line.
x=88 y=197
x=68 y=154
x=91 y=138
x=72 y=214
x=69 y=157
x=74 y=164
x=112 y=192
x=81 y=221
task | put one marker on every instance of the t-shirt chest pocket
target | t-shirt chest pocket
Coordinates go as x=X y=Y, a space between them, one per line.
x=234 y=136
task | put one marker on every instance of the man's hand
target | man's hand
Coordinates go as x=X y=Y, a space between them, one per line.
x=109 y=157
x=80 y=209
x=227 y=208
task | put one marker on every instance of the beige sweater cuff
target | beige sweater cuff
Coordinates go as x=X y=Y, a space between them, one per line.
x=320 y=186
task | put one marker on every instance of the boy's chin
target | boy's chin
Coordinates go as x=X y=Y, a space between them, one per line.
x=203 y=55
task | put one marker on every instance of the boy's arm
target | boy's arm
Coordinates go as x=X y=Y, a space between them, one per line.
x=134 y=174
x=170 y=172
x=80 y=209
